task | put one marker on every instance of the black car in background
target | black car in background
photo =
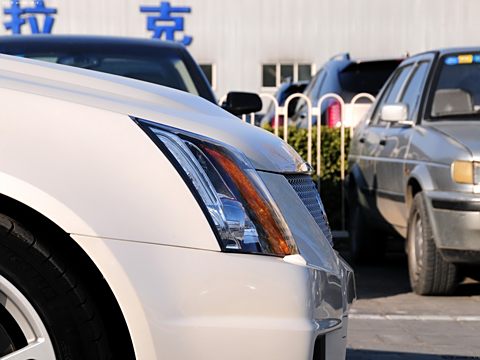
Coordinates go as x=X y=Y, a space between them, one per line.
x=159 y=62
x=345 y=77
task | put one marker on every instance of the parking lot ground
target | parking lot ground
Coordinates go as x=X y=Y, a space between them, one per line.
x=389 y=322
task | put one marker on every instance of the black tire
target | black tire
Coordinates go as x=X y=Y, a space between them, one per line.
x=366 y=243
x=429 y=273
x=55 y=292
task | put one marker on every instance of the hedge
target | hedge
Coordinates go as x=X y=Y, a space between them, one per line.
x=330 y=182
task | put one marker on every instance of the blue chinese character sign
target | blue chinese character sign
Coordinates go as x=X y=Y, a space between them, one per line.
x=20 y=15
x=166 y=24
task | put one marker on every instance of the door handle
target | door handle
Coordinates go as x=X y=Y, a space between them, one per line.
x=383 y=142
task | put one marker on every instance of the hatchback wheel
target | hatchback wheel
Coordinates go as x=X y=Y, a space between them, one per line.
x=45 y=310
x=429 y=273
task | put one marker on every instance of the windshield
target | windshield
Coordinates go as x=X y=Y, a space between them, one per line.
x=456 y=90
x=162 y=66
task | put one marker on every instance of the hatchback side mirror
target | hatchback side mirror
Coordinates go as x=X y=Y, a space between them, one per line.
x=394 y=113
x=239 y=103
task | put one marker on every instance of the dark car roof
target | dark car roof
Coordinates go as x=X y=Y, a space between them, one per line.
x=32 y=40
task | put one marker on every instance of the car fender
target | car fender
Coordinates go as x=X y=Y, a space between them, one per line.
x=107 y=180
x=420 y=174
x=80 y=184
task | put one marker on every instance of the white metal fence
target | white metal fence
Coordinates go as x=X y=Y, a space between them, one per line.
x=351 y=114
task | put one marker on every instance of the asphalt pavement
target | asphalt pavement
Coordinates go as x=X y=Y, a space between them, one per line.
x=389 y=322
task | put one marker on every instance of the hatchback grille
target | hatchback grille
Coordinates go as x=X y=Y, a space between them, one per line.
x=307 y=191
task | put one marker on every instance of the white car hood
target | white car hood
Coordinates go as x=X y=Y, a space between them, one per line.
x=150 y=102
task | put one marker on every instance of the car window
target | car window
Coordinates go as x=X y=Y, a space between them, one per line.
x=167 y=71
x=455 y=93
x=367 y=76
x=398 y=84
x=412 y=92
x=318 y=88
x=391 y=93
x=163 y=66
x=310 y=90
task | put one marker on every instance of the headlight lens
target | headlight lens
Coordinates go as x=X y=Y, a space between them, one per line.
x=466 y=172
x=238 y=204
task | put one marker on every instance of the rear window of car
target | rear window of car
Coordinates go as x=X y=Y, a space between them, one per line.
x=456 y=91
x=292 y=89
x=167 y=71
x=162 y=66
x=367 y=76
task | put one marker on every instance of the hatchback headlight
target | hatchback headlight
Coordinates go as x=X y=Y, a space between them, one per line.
x=237 y=203
x=466 y=172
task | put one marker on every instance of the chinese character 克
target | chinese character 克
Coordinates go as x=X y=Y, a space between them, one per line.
x=20 y=15
x=165 y=23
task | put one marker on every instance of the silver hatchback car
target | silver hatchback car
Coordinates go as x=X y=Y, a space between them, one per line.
x=415 y=168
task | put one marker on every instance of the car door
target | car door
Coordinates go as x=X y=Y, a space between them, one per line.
x=368 y=142
x=394 y=146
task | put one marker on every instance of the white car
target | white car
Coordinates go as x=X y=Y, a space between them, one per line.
x=141 y=222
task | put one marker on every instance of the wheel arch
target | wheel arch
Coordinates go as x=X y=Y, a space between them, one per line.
x=82 y=264
x=413 y=188
x=420 y=179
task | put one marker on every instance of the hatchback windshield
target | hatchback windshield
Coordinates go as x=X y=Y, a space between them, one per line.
x=456 y=91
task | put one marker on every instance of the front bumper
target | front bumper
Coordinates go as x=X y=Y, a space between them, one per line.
x=183 y=303
x=455 y=219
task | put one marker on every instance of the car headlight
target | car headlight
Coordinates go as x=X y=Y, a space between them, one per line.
x=237 y=203
x=466 y=172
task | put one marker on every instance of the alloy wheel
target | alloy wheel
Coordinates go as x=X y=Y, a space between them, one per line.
x=23 y=335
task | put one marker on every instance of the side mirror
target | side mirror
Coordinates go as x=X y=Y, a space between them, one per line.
x=239 y=103
x=394 y=113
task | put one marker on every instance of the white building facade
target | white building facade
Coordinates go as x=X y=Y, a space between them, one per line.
x=252 y=45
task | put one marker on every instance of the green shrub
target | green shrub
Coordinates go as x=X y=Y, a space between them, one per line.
x=330 y=181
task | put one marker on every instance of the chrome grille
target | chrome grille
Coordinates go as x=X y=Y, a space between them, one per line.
x=307 y=191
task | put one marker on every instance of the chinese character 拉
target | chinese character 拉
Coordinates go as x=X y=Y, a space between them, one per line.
x=20 y=15
x=165 y=23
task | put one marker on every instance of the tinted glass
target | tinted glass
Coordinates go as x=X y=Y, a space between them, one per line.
x=411 y=95
x=167 y=71
x=290 y=90
x=310 y=89
x=164 y=66
x=456 y=91
x=269 y=75
x=366 y=77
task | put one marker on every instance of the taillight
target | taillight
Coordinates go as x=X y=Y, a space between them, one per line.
x=280 y=121
x=334 y=114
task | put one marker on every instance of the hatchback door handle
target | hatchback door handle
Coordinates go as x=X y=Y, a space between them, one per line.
x=383 y=142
